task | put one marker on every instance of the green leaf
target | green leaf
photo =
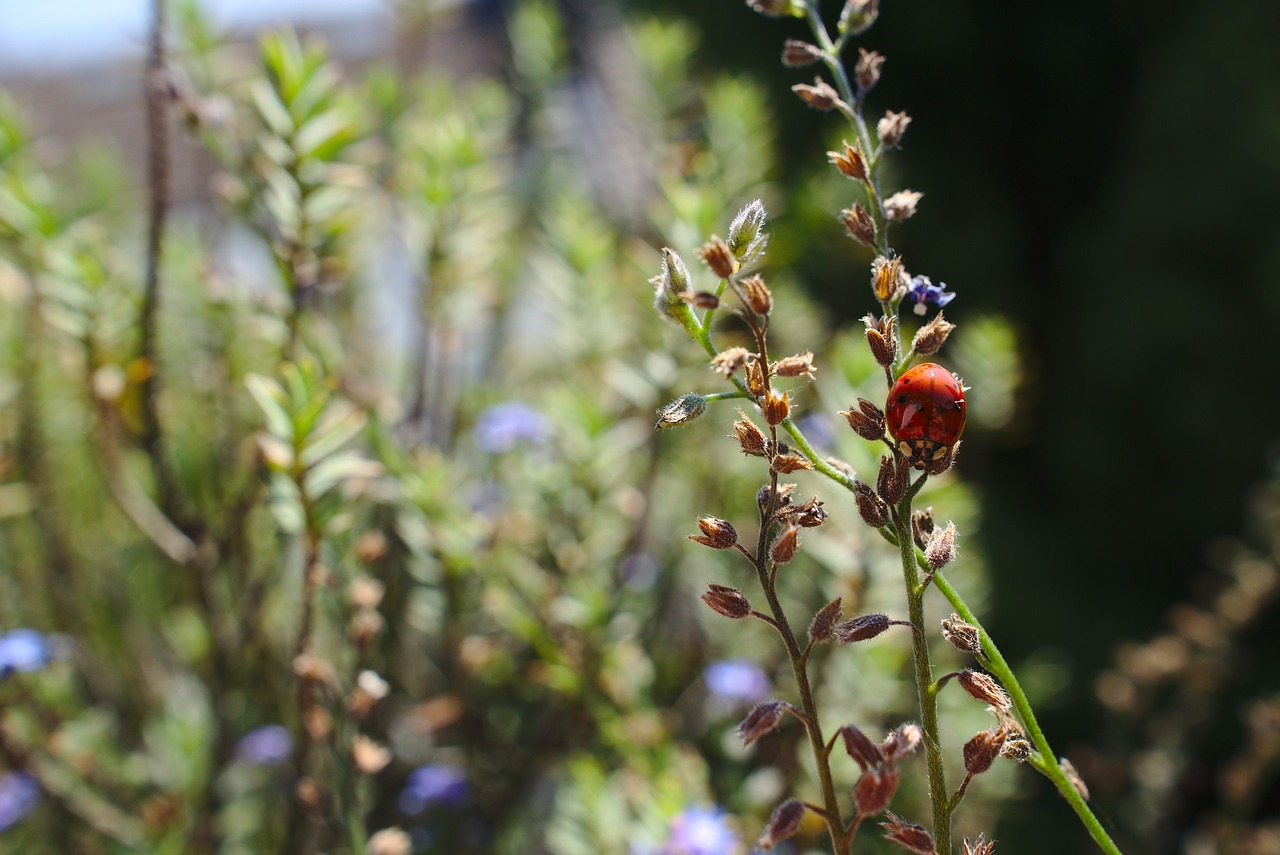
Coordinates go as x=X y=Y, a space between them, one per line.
x=271 y=399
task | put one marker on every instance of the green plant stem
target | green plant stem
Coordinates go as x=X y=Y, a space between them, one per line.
x=938 y=796
x=1047 y=763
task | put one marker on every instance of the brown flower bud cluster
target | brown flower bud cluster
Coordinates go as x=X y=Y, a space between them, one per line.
x=961 y=635
x=941 y=548
x=850 y=162
x=727 y=601
x=929 y=338
x=866 y=71
x=716 y=533
x=867 y=422
x=716 y=254
x=879 y=764
x=820 y=95
x=886 y=278
x=882 y=338
x=859 y=224
x=893 y=478
x=891 y=128
x=756 y=295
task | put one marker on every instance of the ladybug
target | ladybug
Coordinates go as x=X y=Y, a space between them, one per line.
x=925 y=413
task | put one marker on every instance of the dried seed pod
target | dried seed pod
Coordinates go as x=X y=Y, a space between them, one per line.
x=902 y=205
x=979 y=846
x=800 y=365
x=1073 y=776
x=716 y=254
x=886 y=277
x=929 y=338
x=881 y=339
x=822 y=627
x=1016 y=748
x=891 y=128
x=776 y=407
x=942 y=461
x=963 y=636
x=866 y=71
x=902 y=741
x=922 y=527
x=859 y=224
x=913 y=838
x=798 y=54
x=867 y=422
x=716 y=533
x=985 y=689
x=784 y=823
x=785 y=464
x=759 y=298
x=851 y=164
x=808 y=515
x=865 y=752
x=893 y=479
x=786 y=546
x=750 y=437
x=763 y=718
x=862 y=628
x=941 y=549
x=702 y=300
x=874 y=790
x=982 y=750
x=755 y=378
x=729 y=602
x=871 y=507
x=729 y=360
x=820 y=96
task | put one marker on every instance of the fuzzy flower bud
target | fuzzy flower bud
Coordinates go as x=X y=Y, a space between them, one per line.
x=716 y=533
x=784 y=823
x=682 y=411
x=746 y=233
x=930 y=337
x=985 y=689
x=716 y=254
x=857 y=16
x=941 y=550
x=757 y=295
x=764 y=718
x=786 y=546
x=850 y=162
x=862 y=628
x=902 y=205
x=859 y=225
x=822 y=628
x=867 y=422
x=891 y=128
x=871 y=507
x=866 y=71
x=776 y=407
x=962 y=636
x=727 y=601
x=820 y=96
x=798 y=54
x=670 y=285
x=913 y=838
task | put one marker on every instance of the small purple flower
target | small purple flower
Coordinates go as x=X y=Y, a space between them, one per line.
x=268 y=745
x=737 y=680
x=433 y=784
x=701 y=831
x=24 y=650
x=502 y=427
x=925 y=294
x=19 y=795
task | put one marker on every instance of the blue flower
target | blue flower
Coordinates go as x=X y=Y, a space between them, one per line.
x=701 y=831
x=24 y=650
x=268 y=745
x=19 y=795
x=502 y=427
x=737 y=680
x=433 y=784
x=925 y=294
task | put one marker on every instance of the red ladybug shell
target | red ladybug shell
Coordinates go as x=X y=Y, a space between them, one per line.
x=925 y=413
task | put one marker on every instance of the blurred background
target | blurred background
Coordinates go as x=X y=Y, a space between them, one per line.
x=1100 y=184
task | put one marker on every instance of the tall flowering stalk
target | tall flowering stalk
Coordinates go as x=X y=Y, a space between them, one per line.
x=920 y=426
